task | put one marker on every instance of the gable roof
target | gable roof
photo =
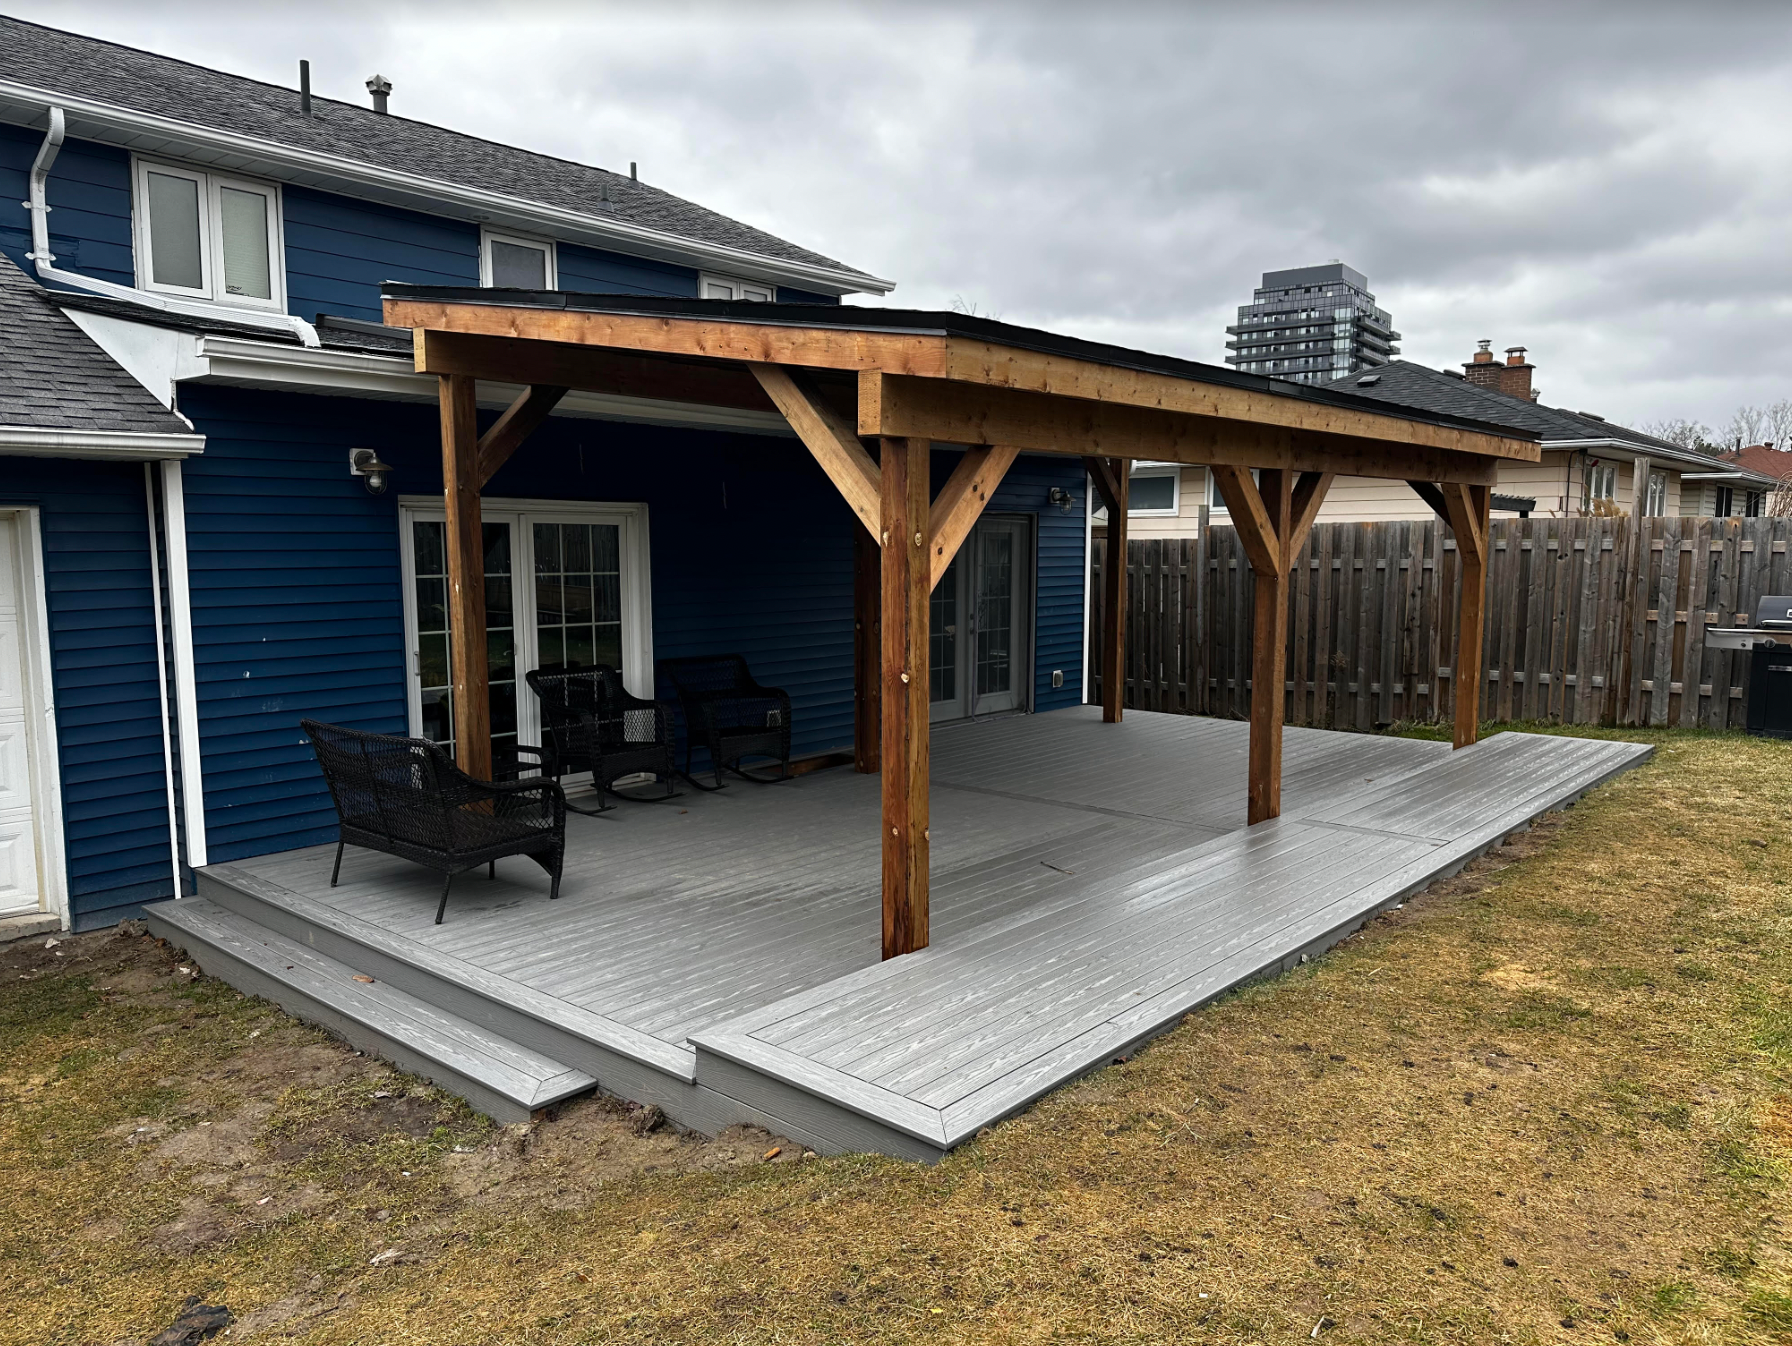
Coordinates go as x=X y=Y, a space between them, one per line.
x=54 y=378
x=1413 y=385
x=1762 y=459
x=115 y=93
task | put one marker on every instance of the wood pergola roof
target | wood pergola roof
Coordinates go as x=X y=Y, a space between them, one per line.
x=869 y=391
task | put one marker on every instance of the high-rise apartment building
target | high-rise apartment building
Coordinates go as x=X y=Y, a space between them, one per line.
x=1311 y=324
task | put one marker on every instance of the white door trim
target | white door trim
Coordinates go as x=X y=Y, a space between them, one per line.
x=40 y=713
x=186 y=680
x=636 y=591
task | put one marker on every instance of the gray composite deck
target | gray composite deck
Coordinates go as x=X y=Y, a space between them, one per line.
x=1091 y=884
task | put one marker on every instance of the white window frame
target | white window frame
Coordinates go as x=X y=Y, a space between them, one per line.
x=636 y=591
x=1171 y=470
x=487 y=237
x=211 y=235
x=737 y=287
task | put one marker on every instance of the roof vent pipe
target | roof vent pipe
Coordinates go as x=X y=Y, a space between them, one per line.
x=380 y=87
x=304 y=88
x=632 y=175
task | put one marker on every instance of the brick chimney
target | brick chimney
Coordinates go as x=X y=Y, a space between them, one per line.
x=1512 y=378
x=1482 y=371
x=1515 y=375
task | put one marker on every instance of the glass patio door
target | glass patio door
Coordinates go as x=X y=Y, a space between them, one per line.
x=980 y=641
x=565 y=588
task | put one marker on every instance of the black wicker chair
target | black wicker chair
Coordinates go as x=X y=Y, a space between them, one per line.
x=403 y=796
x=732 y=716
x=595 y=725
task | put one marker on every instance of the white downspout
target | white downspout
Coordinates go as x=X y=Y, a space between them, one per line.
x=155 y=588
x=1082 y=676
x=45 y=261
x=186 y=681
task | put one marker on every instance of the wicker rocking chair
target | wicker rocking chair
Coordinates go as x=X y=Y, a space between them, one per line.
x=732 y=716
x=595 y=725
x=403 y=796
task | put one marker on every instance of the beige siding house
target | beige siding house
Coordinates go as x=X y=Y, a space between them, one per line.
x=1586 y=460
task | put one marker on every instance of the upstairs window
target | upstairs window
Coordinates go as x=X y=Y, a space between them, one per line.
x=732 y=287
x=513 y=262
x=207 y=236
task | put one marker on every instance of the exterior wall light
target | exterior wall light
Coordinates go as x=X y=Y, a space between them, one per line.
x=1062 y=498
x=366 y=464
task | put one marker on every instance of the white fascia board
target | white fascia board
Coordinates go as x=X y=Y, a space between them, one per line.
x=243 y=363
x=157 y=357
x=28 y=441
x=150 y=133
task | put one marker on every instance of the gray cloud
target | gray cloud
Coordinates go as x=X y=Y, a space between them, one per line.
x=1609 y=188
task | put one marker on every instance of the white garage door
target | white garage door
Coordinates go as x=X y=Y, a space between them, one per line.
x=20 y=867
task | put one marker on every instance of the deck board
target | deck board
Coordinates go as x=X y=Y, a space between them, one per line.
x=1091 y=883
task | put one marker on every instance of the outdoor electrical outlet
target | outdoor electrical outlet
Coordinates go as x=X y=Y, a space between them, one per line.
x=1057 y=677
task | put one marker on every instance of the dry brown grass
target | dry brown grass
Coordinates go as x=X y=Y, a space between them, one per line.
x=1546 y=1102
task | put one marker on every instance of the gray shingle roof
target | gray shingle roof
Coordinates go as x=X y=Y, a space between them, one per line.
x=1424 y=388
x=51 y=59
x=53 y=377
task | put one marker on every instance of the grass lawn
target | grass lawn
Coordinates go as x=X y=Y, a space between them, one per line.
x=1548 y=1101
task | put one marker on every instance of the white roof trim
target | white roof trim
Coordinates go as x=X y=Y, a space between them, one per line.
x=147 y=132
x=245 y=363
x=1629 y=448
x=32 y=442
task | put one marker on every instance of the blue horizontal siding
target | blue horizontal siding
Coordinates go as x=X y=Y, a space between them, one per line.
x=297 y=607
x=595 y=272
x=339 y=249
x=103 y=672
x=89 y=192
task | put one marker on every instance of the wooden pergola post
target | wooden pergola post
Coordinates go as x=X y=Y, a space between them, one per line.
x=1466 y=509
x=1113 y=479
x=905 y=498
x=1273 y=516
x=468 y=461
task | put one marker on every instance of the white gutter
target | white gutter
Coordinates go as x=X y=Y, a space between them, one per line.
x=30 y=442
x=186 y=680
x=155 y=589
x=414 y=190
x=44 y=260
x=1630 y=448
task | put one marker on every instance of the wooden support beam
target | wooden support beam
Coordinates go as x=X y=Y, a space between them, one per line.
x=520 y=420
x=867 y=652
x=1467 y=509
x=961 y=501
x=831 y=438
x=1273 y=516
x=970 y=413
x=1113 y=479
x=1309 y=496
x=1432 y=496
x=905 y=712
x=975 y=363
x=595 y=369
x=465 y=540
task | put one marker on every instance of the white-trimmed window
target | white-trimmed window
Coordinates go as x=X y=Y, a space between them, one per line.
x=209 y=236
x=516 y=262
x=1601 y=483
x=733 y=287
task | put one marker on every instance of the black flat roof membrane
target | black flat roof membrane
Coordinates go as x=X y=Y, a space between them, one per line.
x=929 y=322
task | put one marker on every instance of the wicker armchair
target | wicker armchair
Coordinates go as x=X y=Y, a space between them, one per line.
x=403 y=796
x=595 y=725
x=732 y=716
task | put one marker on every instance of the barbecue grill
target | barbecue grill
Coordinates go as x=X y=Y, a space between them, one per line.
x=1769 y=642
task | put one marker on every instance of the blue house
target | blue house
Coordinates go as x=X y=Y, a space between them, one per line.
x=191 y=560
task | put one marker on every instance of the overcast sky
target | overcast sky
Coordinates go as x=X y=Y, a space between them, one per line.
x=1610 y=188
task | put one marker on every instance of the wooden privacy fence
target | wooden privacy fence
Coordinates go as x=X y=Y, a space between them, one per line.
x=1588 y=621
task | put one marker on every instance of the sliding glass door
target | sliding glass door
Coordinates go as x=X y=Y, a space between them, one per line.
x=566 y=586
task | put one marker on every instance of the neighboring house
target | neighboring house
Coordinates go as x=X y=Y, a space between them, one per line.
x=1588 y=464
x=1763 y=460
x=193 y=283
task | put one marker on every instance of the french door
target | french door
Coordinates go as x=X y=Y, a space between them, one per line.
x=981 y=623
x=566 y=586
x=20 y=880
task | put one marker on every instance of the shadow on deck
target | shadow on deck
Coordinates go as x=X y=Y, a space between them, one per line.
x=718 y=954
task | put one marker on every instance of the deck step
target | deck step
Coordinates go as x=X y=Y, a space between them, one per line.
x=506 y=1081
